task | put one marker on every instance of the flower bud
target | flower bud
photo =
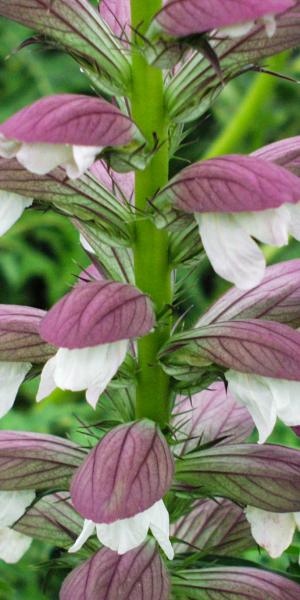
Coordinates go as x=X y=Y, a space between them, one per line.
x=210 y=416
x=126 y=473
x=139 y=575
x=215 y=526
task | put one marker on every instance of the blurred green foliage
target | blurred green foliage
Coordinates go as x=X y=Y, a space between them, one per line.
x=40 y=256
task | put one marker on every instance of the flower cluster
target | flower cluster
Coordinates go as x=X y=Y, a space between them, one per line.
x=173 y=474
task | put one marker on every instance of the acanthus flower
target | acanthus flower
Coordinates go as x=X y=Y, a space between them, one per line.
x=276 y=298
x=65 y=130
x=260 y=361
x=91 y=327
x=119 y=489
x=235 y=198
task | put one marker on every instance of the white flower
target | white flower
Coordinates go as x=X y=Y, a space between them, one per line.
x=42 y=158
x=12 y=507
x=89 y=369
x=227 y=239
x=12 y=374
x=240 y=29
x=125 y=534
x=11 y=208
x=272 y=531
x=266 y=399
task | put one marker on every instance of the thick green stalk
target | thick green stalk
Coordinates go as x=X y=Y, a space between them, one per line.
x=152 y=270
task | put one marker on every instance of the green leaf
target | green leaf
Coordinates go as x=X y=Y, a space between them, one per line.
x=233 y=584
x=213 y=527
x=36 y=461
x=52 y=519
x=267 y=477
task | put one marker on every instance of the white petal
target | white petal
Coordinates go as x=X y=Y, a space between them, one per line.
x=47 y=383
x=93 y=392
x=12 y=374
x=286 y=395
x=13 y=545
x=13 y=505
x=254 y=392
x=268 y=226
x=89 y=369
x=160 y=527
x=43 y=158
x=83 y=158
x=125 y=534
x=85 y=244
x=238 y=30
x=11 y=208
x=87 y=531
x=115 y=355
x=297 y=519
x=272 y=531
x=294 y=229
x=230 y=249
x=270 y=24
x=8 y=148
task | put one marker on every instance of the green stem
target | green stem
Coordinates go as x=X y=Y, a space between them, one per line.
x=152 y=269
x=231 y=137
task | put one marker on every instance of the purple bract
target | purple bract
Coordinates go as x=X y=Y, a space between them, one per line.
x=126 y=473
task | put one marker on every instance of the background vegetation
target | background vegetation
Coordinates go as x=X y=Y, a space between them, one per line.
x=40 y=256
